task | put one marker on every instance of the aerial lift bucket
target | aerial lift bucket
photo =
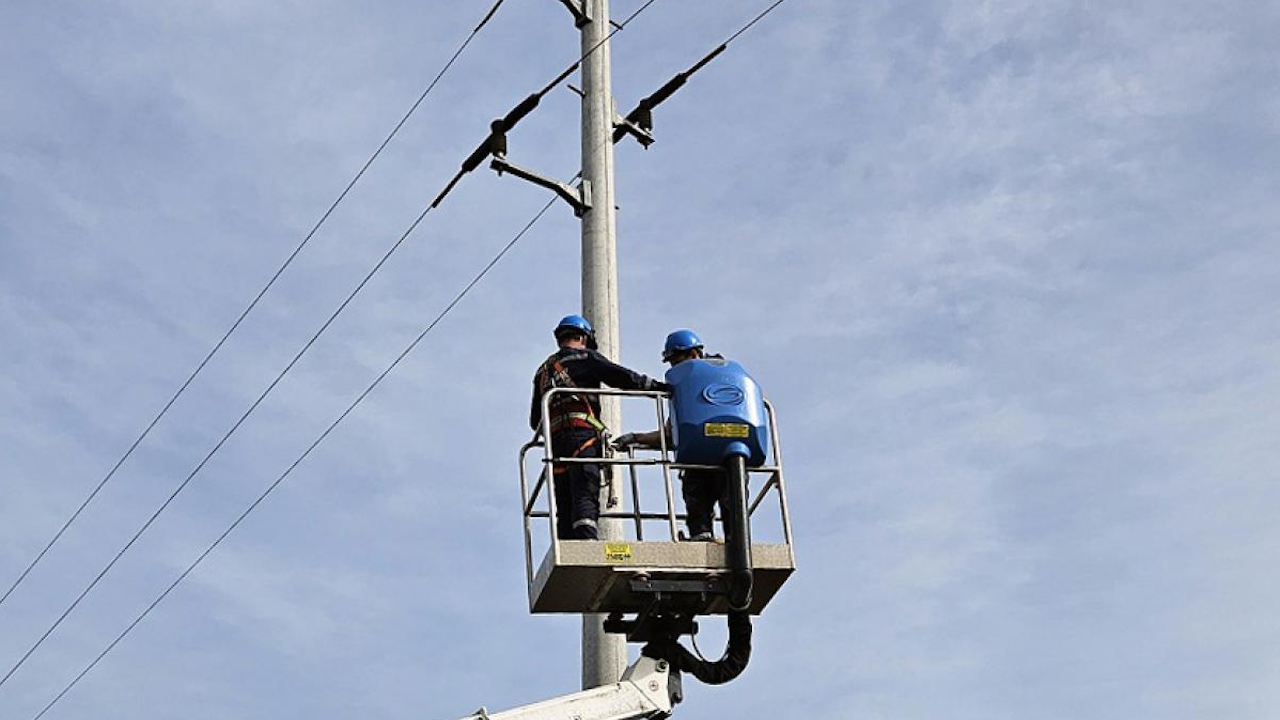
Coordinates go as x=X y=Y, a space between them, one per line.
x=639 y=574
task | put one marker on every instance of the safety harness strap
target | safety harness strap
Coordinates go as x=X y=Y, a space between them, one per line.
x=561 y=468
x=571 y=410
x=577 y=419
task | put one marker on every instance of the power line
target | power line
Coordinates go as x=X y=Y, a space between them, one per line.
x=496 y=142
x=300 y=458
x=218 y=446
x=263 y=395
x=639 y=122
x=235 y=325
x=754 y=20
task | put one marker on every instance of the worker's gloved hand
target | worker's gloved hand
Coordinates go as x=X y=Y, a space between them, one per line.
x=627 y=441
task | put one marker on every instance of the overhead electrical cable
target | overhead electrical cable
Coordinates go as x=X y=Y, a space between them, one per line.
x=495 y=142
x=218 y=445
x=639 y=122
x=360 y=398
x=262 y=396
x=252 y=304
x=754 y=20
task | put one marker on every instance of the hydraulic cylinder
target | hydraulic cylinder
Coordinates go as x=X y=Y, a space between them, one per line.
x=738 y=533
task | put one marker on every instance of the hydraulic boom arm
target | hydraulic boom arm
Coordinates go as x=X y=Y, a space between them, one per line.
x=651 y=687
x=647 y=690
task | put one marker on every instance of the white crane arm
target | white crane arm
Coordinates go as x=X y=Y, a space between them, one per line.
x=646 y=690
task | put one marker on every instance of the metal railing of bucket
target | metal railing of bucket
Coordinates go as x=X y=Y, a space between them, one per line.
x=664 y=459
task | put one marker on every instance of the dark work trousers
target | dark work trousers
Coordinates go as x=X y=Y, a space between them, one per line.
x=577 y=485
x=701 y=490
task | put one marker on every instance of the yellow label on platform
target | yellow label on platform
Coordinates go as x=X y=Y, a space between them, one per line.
x=726 y=430
x=617 y=552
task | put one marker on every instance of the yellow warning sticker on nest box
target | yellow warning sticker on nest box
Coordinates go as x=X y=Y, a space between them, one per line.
x=617 y=552
x=726 y=430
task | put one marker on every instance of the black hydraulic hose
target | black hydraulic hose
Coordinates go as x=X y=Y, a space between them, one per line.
x=738 y=534
x=721 y=671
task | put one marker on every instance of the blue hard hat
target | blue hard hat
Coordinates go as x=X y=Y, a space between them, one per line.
x=680 y=341
x=576 y=324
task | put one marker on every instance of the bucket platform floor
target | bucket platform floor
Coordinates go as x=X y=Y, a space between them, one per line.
x=595 y=576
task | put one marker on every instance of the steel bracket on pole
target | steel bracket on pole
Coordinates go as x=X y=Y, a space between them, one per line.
x=641 y=129
x=577 y=197
x=581 y=15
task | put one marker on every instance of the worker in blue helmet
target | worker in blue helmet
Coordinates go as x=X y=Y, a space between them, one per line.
x=682 y=345
x=701 y=488
x=574 y=421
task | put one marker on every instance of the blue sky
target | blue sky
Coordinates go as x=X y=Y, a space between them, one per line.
x=1007 y=269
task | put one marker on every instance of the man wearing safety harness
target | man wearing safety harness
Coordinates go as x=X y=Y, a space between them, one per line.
x=574 y=422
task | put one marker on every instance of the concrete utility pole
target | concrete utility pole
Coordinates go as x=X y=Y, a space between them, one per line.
x=604 y=656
